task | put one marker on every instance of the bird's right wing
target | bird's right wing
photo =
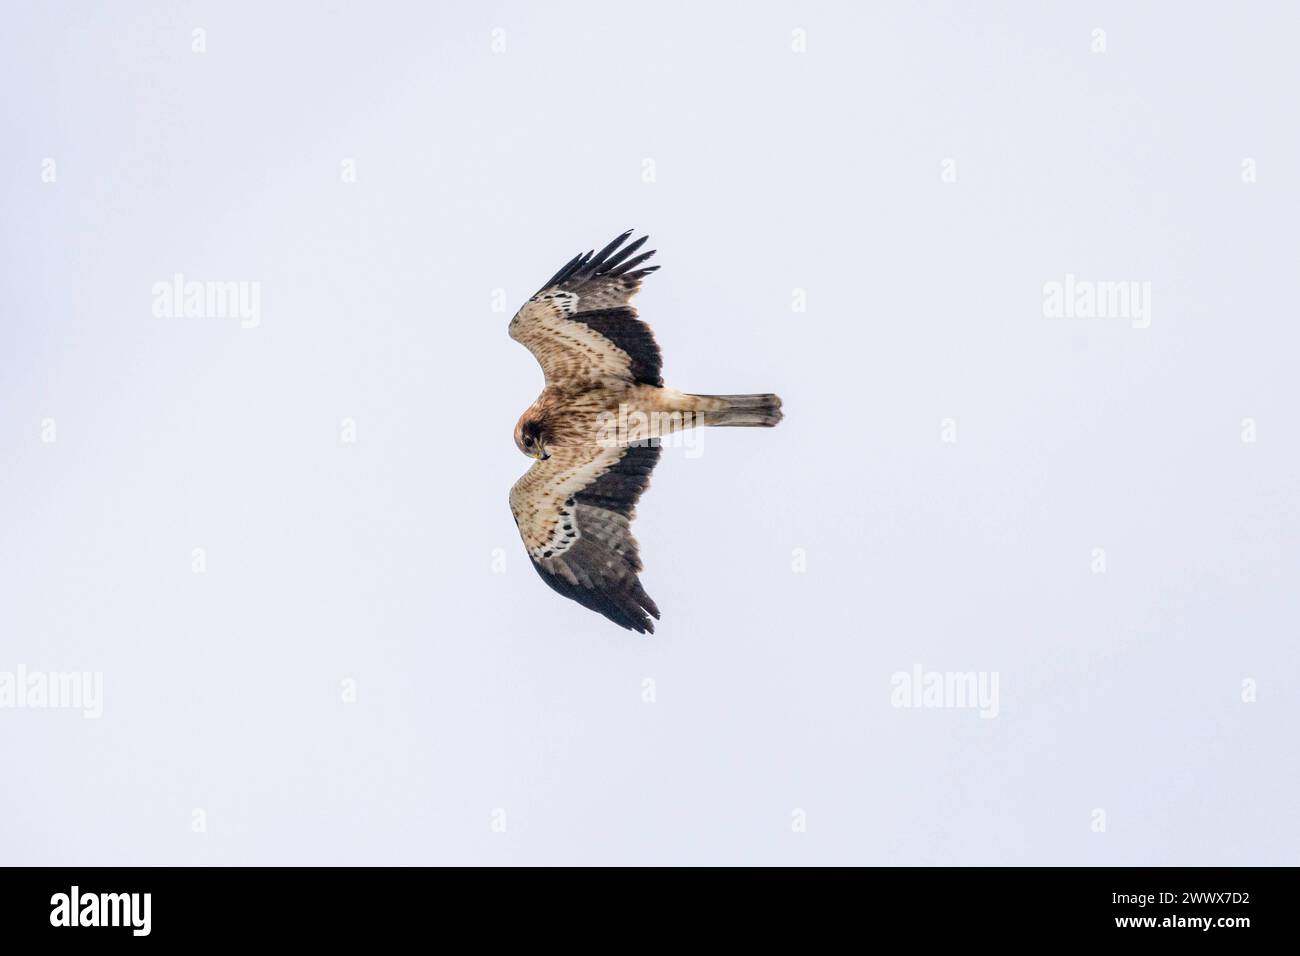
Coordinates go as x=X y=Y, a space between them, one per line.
x=574 y=511
x=581 y=326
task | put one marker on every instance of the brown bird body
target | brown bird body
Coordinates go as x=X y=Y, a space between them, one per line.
x=595 y=430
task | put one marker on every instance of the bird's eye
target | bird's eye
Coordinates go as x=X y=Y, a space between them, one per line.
x=528 y=439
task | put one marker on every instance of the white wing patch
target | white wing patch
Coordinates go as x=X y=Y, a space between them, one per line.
x=567 y=302
x=564 y=535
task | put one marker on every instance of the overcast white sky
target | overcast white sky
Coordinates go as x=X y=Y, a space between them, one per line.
x=951 y=461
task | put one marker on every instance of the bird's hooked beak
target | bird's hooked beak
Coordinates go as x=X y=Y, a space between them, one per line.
x=542 y=455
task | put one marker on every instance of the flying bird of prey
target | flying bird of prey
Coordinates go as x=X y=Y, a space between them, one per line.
x=595 y=430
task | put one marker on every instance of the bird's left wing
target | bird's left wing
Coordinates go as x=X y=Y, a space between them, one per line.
x=574 y=511
x=581 y=326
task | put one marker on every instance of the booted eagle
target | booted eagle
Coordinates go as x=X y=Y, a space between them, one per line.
x=595 y=429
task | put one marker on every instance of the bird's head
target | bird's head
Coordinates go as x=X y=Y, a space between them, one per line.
x=531 y=435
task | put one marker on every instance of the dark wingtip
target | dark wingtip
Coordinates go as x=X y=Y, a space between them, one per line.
x=612 y=260
x=631 y=616
x=636 y=611
x=641 y=625
x=627 y=608
x=631 y=264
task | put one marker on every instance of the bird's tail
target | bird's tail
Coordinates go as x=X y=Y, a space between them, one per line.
x=739 y=410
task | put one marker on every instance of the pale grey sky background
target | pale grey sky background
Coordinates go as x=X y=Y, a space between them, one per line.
x=774 y=171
